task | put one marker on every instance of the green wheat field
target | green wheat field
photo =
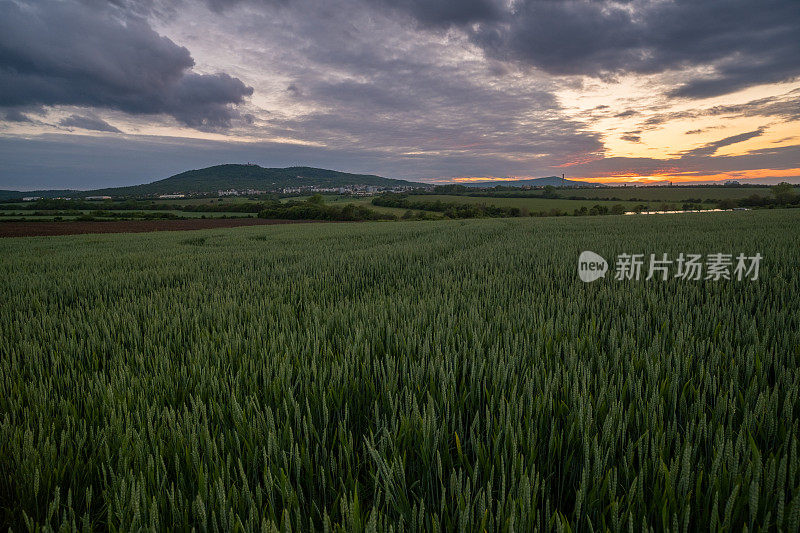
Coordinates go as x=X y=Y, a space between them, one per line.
x=400 y=376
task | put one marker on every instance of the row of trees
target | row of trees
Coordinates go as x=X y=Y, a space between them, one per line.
x=315 y=209
x=448 y=209
x=480 y=210
x=71 y=206
x=783 y=195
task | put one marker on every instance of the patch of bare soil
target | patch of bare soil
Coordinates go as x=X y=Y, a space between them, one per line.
x=34 y=229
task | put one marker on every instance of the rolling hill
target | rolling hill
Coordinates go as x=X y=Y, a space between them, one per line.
x=242 y=177
x=239 y=177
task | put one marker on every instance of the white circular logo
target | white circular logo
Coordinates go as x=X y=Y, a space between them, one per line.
x=591 y=266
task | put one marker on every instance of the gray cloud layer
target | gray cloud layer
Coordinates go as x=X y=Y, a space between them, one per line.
x=745 y=42
x=88 y=123
x=712 y=147
x=69 y=53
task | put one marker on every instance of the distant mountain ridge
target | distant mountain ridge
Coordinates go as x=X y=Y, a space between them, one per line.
x=553 y=181
x=243 y=177
x=232 y=176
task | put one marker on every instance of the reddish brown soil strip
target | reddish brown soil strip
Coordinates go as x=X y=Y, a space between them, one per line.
x=34 y=229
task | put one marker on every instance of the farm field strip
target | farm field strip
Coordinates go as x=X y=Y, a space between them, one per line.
x=188 y=214
x=74 y=227
x=667 y=194
x=531 y=204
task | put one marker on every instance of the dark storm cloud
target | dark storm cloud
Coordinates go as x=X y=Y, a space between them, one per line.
x=68 y=53
x=436 y=13
x=746 y=42
x=88 y=123
x=445 y=13
x=775 y=64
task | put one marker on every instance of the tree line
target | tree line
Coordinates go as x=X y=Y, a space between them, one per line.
x=315 y=209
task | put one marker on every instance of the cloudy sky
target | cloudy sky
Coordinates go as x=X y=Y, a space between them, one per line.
x=114 y=92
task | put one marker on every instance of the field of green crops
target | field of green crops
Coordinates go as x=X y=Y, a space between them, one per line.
x=409 y=376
